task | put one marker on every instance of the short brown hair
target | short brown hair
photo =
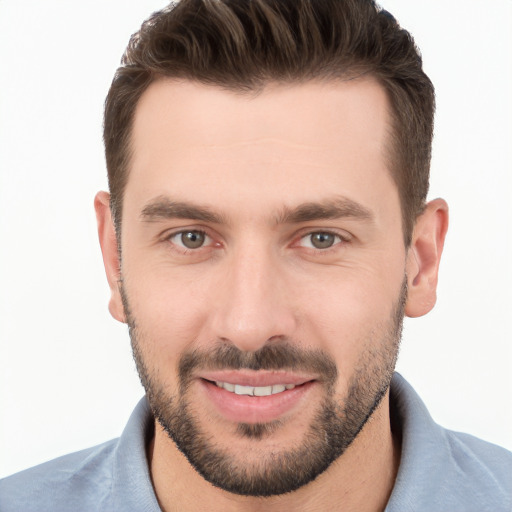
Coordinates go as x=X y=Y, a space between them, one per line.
x=242 y=45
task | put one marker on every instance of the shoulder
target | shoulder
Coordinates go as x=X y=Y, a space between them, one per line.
x=483 y=465
x=445 y=470
x=78 y=481
x=469 y=474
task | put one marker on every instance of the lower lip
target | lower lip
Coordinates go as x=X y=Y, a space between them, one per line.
x=255 y=409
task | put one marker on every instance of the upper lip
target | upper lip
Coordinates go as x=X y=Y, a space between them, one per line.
x=256 y=378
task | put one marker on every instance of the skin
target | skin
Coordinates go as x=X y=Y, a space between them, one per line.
x=249 y=160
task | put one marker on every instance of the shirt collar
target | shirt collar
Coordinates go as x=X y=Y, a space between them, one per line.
x=424 y=446
x=132 y=486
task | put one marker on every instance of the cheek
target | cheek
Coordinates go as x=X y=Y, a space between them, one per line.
x=168 y=312
x=349 y=316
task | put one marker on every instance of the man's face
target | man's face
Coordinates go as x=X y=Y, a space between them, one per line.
x=262 y=254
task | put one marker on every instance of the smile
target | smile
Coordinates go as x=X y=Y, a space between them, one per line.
x=256 y=397
x=238 y=389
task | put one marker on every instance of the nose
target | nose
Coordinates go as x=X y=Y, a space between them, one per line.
x=253 y=302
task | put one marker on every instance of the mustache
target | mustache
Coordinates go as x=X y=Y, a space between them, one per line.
x=281 y=355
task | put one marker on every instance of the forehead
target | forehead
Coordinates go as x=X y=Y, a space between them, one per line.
x=316 y=113
x=287 y=144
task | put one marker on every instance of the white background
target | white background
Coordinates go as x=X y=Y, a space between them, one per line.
x=67 y=380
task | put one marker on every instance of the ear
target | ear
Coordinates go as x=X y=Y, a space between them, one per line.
x=424 y=256
x=109 y=249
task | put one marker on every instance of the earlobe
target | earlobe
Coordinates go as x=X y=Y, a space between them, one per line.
x=109 y=249
x=424 y=256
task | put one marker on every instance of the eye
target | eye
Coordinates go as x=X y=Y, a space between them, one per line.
x=190 y=239
x=320 y=240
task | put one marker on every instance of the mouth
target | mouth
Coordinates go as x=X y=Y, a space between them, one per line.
x=256 y=397
x=239 y=389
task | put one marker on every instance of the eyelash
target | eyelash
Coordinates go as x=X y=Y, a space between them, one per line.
x=339 y=240
x=169 y=238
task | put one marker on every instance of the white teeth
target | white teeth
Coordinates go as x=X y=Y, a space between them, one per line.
x=238 y=389
x=228 y=387
x=263 y=391
x=243 y=390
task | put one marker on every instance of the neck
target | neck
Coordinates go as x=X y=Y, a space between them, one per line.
x=361 y=479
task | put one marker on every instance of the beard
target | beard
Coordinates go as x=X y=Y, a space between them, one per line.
x=336 y=424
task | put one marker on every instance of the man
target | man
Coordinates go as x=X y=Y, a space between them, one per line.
x=265 y=233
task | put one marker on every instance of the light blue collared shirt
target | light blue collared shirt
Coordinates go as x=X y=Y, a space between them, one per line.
x=440 y=470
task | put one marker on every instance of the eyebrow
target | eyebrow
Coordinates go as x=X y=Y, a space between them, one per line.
x=162 y=208
x=336 y=208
